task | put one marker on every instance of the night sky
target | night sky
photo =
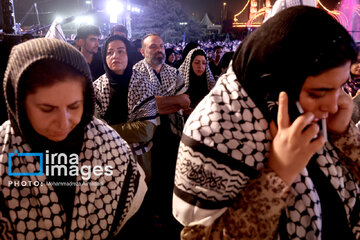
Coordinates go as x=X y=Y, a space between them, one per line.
x=49 y=8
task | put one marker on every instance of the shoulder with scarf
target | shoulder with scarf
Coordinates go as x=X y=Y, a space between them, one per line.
x=102 y=146
x=215 y=155
x=221 y=175
x=144 y=86
x=102 y=94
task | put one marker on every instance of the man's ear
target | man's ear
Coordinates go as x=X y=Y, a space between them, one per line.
x=142 y=52
x=81 y=42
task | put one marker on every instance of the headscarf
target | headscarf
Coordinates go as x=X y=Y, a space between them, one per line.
x=21 y=60
x=111 y=89
x=115 y=79
x=22 y=57
x=226 y=140
x=198 y=86
x=279 y=55
x=168 y=52
x=64 y=210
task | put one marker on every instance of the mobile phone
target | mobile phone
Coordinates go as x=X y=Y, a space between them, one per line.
x=295 y=110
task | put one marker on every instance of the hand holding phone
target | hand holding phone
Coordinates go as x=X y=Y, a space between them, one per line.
x=299 y=111
x=293 y=143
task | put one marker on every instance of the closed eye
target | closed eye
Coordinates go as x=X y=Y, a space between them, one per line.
x=75 y=105
x=46 y=108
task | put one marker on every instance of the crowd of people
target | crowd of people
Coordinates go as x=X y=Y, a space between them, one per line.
x=258 y=139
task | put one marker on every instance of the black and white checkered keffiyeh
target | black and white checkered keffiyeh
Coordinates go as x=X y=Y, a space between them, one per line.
x=102 y=94
x=30 y=212
x=144 y=86
x=185 y=68
x=226 y=140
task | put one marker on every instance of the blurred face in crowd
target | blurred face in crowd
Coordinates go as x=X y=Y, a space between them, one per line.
x=218 y=53
x=355 y=67
x=54 y=111
x=91 y=44
x=153 y=50
x=116 y=57
x=171 y=58
x=178 y=56
x=199 y=65
x=210 y=54
x=122 y=34
x=320 y=93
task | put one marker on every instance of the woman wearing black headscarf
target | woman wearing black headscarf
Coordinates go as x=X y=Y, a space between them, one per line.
x=111 y=93
x=111 y=89
x=197 y=75
x=170 y=56
x=248 y=169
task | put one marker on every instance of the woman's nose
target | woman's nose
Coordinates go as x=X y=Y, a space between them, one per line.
x=330 y=104
x=63 y=119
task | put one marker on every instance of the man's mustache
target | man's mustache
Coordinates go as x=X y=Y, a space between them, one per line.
x=160 y=53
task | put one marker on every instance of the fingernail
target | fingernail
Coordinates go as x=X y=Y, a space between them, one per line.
x=282 y=94
x=312 y=116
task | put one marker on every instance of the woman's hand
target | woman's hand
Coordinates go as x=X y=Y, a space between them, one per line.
x=339 y=122
x=171 y=104
x=293 y=143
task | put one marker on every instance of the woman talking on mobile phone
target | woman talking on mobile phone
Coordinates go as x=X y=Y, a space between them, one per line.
x=244 y=169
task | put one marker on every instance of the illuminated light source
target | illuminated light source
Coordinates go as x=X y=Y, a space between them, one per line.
x=259 y=13
x=183 y=23
x=337 y=15
x=236 y=15
x=88 y=2
x=114 y=7
x=84 y=19
x=59 y=19
x=135 y=9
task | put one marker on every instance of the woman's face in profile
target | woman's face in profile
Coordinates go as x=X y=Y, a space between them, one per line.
x=54 y=111
x=116 y=57
x=320 y=93
x=199 y=65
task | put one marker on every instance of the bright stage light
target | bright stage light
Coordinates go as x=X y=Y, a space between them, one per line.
x=59 y=19
x=84 y=19
x=114 y=7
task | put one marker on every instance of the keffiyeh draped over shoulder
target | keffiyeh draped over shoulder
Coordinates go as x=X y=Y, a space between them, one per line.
x=102 y=94
x=102 y=204
x=226 y=140
x=144 y=86
x=81 y=198
x=224 y=144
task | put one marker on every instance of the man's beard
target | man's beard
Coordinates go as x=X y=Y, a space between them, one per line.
x=158 y=60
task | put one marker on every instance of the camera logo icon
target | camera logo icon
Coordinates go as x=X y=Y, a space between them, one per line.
x=15 y=153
